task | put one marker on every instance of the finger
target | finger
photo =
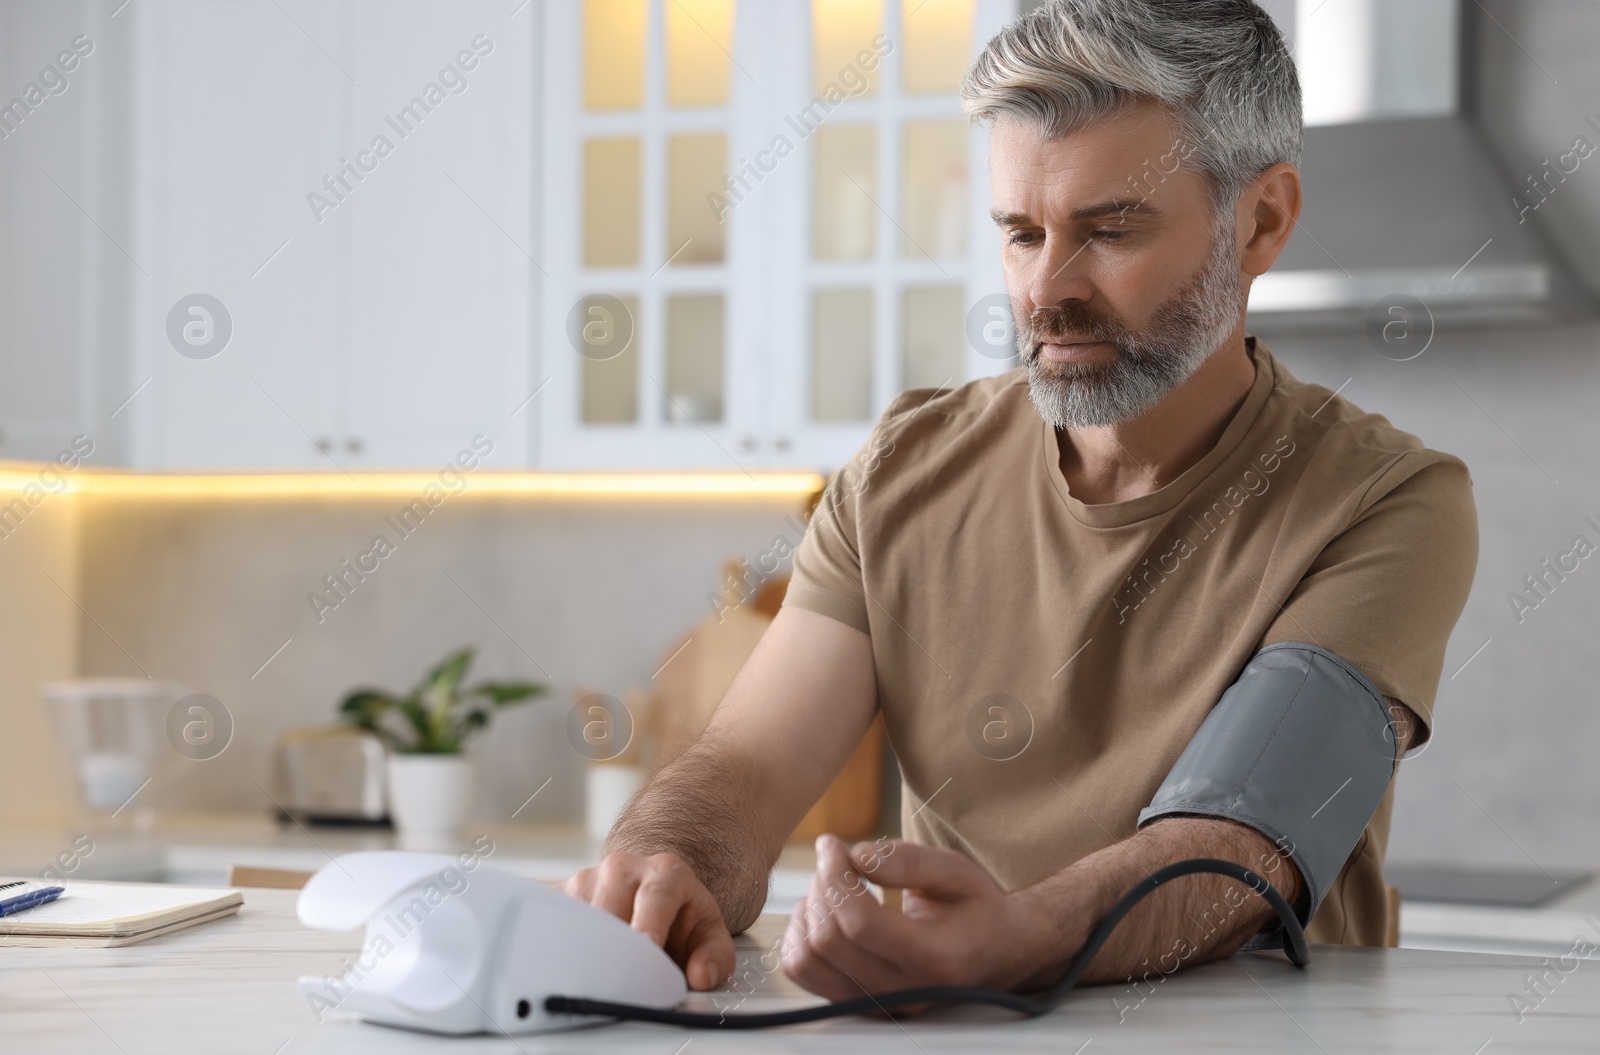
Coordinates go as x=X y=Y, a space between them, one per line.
x=698 y=939
x=579 y=884
x=842 y=887
x=682 y=916
x=656 y=904
x=794 y=933
x=812 y=909
x=799 y=928
x=867 y=970
x=614 y=890
x=711 y=957
x=804 y=966
x=931 y=869
x=846 y=924
x=879 y=927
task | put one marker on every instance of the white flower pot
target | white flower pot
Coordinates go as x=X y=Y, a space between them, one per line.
x=430 y=796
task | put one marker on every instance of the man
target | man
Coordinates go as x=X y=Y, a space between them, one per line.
x=1146 y=598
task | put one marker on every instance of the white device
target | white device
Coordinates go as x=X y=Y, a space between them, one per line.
x=458 y=948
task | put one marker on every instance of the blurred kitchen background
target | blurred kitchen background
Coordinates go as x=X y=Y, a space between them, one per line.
x=659 y=264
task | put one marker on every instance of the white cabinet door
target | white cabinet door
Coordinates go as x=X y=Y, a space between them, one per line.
x=351 y=183
x=443 y=264
x=65 y=233
x=239 y=111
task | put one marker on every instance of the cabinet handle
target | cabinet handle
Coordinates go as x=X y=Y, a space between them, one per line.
x=354 y=445
x=324 y=444
x=748 y=443
x=780 y=443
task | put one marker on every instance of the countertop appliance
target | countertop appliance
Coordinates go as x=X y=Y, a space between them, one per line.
x=510 y=941
x=334 y=775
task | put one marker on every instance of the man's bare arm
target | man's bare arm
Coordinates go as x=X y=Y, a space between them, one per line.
x=1183 y=923
x=715 y=819
x=959 y=928
x=1189 y=921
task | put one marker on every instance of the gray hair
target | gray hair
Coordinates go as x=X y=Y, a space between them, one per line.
x=1219 y=66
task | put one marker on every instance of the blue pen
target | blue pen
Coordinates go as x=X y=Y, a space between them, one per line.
x=28 y=898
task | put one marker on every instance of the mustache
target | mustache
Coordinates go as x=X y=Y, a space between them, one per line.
x=1067 y=324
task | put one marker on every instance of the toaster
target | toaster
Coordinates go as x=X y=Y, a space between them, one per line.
x=333 y=774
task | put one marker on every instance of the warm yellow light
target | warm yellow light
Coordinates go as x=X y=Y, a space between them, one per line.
x=699 y=51
x=840 y=31
x=938 y=44
x=613 y=54
x=301 y=485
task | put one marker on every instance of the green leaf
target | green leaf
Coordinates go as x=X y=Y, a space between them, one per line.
x=505 y=693
x=439 y=692
x=363 y=707
x=417 y=716
x=440 y=715
x=442 y=680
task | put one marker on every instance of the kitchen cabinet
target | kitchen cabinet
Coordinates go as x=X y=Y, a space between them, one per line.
x=716 y=234
x=63 y=226
x=239 y=115
x=227 y=244
x=444 y=273
x=762 y=222
x=352 y=184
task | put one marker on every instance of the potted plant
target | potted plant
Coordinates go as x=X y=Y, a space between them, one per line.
x=430 y=779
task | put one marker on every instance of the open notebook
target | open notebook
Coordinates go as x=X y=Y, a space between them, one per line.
x=108 y=914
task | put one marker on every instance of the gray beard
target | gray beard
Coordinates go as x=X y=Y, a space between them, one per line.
x=1182 y=334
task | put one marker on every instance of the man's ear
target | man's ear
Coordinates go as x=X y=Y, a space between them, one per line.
x=1268 y=210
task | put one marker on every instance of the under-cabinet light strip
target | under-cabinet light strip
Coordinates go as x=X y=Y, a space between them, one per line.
x=18 y=478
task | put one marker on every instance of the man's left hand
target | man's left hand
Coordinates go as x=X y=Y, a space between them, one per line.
x=955 y=926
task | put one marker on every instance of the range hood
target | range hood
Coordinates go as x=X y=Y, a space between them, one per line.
x=1403 y=195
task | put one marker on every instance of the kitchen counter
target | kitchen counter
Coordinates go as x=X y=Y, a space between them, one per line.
x=229 y=986
x=198 y=848
x=1548 y=930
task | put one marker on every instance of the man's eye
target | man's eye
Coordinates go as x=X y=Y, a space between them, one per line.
x=1110 y=234
x=1021 y=238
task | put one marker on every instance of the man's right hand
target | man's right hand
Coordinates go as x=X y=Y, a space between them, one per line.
x=661 y=897
x=782 y=732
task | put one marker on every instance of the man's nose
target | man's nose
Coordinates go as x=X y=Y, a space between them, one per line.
x=1058 y=273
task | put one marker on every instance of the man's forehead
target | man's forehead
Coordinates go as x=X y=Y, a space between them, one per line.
x=1104 y=160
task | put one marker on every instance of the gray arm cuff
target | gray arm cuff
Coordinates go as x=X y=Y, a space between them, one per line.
x=1299 y=749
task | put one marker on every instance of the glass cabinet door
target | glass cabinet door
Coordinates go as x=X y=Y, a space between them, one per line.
x=762 y=220
x=647 y=110
x=886 y=243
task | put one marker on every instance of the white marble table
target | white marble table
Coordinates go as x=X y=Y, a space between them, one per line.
x=229 y=986
x=196 y=848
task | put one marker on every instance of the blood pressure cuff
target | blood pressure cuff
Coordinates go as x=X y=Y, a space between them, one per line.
x=1300 y=749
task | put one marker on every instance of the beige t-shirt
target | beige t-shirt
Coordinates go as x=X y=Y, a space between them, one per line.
x=1041 y=663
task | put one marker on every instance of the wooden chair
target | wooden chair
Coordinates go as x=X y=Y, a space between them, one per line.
x=270 y=878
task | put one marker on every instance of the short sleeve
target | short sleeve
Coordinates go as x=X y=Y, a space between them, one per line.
x=827 y=565
x=1386 y=593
